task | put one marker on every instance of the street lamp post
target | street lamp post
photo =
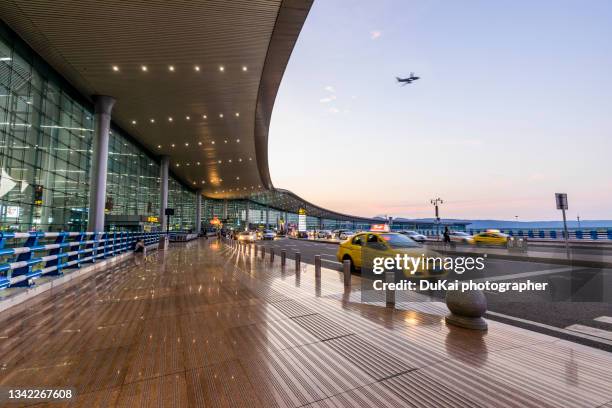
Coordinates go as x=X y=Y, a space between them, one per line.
x=436 y=202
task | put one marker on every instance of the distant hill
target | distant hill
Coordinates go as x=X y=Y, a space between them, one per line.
x=481 y=224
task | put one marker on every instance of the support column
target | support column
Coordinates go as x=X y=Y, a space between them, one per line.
x=163 y=189
x=225 y=208
x=198 y=226
x=163 y=199
x=248 y=207
x=99 y=162
x=267 y=218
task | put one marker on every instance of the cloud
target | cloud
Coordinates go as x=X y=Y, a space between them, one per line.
x=375 y=34
x=328 y=99
x=330 y=88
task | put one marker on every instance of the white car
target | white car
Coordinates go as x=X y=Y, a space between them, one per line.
x=323 y=234
x=343 y=235
x=247 y=236
x=268 y=234
x=462 y=237
x=415 y=236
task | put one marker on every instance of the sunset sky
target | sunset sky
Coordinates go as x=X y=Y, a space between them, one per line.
x=514 y=104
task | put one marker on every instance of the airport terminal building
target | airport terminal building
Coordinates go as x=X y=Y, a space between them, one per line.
x=189 y=132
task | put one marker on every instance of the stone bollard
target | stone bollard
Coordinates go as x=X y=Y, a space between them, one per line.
x=346 y=268
x=318 y=266
x=283 y=257
x=298 y=260
x=390 y=294
x=467 y=309
x=272 y=255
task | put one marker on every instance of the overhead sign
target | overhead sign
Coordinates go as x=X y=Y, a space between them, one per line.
x=379 y=228
x=561 y=199
x=152 y=219
x=302 y=211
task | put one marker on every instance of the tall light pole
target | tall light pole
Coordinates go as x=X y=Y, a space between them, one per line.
x=436 y=202
x=578 y=218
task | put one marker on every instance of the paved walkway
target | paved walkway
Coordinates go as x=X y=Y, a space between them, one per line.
x=207 y=325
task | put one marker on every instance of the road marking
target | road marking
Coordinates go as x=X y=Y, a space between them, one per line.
x=552 y=328
x=525 y=274
x=604 y=319
x=590 y=331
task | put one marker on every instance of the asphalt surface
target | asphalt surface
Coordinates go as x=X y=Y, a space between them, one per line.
x=576 y=295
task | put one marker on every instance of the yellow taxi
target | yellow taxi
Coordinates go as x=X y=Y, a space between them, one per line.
x=490 y=237
x=363 y=247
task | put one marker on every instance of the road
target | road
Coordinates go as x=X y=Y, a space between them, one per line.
x=581 y=303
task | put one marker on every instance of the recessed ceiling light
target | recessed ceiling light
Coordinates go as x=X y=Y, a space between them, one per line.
x=225 y=141
x=203 y=182
x=213 y=142
x=237 y=178
x=133 y=122
x=204 y=116
x=220 y=115
x=186 y=144
x=152 y=120
x=219 y=161
x=250 y=158
x=244 y=67
x=221 y=68
x=239 y=160
x=193 y=182
x=230 y=160
x=172 y=145
x=170 y=119
x=159 y=146
x=115 y=68
x=237 y=140
x=144 y=68
x=187 y=117
x=177 y=165
x=237 y=114
x=199 y=143
x=197 y=68
x=171 y=68
x=198 y=163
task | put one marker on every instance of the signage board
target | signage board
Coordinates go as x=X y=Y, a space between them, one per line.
x=561 y=199
x=302 y=220
x=379 y=228
x=13 y=211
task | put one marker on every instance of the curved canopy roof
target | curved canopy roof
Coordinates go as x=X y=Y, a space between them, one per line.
x=195 y=80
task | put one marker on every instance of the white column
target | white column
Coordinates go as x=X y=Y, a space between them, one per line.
x=99 y=162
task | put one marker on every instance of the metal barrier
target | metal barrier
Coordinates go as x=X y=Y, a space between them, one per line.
x=182 y=236
x=50 y=253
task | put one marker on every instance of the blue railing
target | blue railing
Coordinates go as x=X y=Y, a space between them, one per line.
x=50 y=253
x=584 y=235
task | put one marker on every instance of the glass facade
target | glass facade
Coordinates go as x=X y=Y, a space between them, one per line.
x=45 y=156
